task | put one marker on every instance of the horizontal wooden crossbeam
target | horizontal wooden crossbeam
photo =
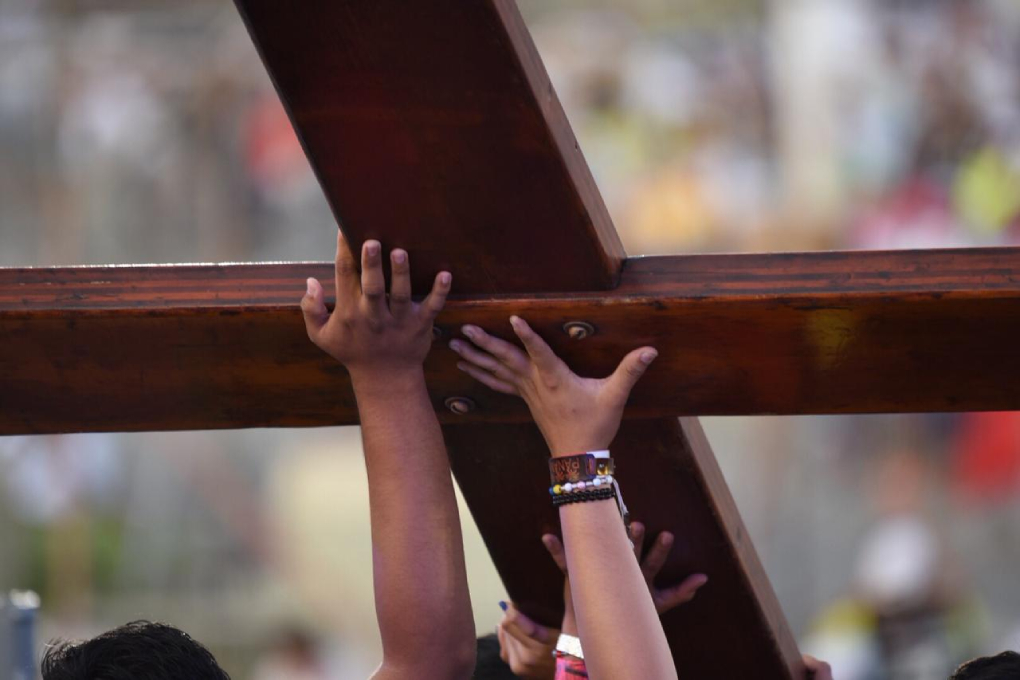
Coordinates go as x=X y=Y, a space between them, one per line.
x=223 y=346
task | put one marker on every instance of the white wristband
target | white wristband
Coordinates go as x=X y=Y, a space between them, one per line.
x=569 y=645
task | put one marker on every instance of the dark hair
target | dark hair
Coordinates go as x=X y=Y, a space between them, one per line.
x=488 y=665
x=139 y=650
x=1005 y=666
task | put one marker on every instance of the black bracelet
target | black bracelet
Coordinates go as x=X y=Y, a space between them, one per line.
x=584 y=496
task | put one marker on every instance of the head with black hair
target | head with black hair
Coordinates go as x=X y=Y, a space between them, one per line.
x=139 y=650
x=1005 y=666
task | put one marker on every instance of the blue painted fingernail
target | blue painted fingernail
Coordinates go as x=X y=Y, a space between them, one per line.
x=502 y=605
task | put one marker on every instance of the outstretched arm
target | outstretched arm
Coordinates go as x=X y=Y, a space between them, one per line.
x=421 y=594
x=619 y=628
x=527 y=647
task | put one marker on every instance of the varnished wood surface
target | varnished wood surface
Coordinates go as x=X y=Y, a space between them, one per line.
x=734 y=628
x=220 y=346
x=433 y=126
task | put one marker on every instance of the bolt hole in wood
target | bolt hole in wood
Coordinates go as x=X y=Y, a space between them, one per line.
x=578 y=330
x=460 y=405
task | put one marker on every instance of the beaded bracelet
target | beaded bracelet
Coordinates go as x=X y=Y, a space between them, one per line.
x=586 y=477
x=573 y=487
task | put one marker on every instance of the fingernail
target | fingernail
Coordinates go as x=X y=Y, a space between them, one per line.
x=372 y=247
x=445 y=278
x=502 y=605
x=308 y=287
x=469 y=331
x=455 y=345
x=461 y=366
x=514 y=320
x=649 y=356
x=666 y=539
x=399 y=256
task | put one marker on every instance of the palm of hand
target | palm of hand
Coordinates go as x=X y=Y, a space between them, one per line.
x=574 y=414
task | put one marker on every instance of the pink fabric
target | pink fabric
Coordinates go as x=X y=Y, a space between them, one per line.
x=569 y=668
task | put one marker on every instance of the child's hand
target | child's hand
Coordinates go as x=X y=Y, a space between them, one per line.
x=665 y=599
x=368 y=334
x=574 y=414
x=526 y=646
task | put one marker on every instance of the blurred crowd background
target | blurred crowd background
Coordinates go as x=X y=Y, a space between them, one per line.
x=148 y=131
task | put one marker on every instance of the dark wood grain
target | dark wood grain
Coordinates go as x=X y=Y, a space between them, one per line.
x=432 y=126
x=734 y=628
x=220 y=346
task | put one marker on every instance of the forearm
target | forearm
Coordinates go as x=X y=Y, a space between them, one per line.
x=421 y=591
x=616 y=619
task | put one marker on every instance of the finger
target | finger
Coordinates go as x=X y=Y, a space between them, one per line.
x=346 y=270
x=510 y=355
x=511 y=653
x=637 y=537
x=373 y=281
x=553 y=544
x=482 y=360
x=400 y=282
x=526 y=631
x=313 y=308
x=501 y=636
x=657 y=555
x=668 y=598
x=630 y=370
x=486 y=378
x=433 y=304
x=545 y=359
x=817 y=669
x=520 y=657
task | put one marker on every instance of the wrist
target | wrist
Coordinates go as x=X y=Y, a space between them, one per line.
x=386 y=380
x=574 y=447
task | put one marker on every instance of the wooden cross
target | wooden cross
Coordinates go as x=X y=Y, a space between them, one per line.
x=432 y=126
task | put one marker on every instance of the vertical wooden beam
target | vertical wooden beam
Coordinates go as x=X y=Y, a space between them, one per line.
x=432 y=125
x=734 y=628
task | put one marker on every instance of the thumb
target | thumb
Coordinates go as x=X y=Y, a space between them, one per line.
x=313 y=308
x=630 y=370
